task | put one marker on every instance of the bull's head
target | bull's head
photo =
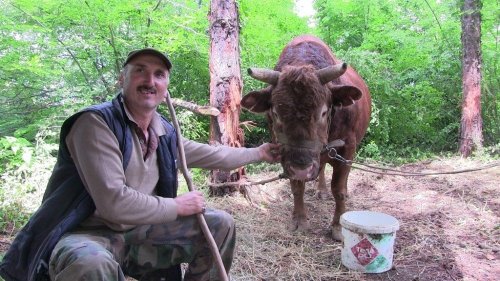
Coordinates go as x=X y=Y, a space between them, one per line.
x=299 y=103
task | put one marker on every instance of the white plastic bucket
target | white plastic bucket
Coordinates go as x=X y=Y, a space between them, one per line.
x=368 y=244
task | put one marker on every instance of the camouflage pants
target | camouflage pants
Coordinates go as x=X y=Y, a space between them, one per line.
x=108 y=255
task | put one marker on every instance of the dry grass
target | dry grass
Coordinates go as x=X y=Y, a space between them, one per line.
x=266 y=247
x=449 y=226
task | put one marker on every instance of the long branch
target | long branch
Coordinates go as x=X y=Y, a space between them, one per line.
x=439 y=24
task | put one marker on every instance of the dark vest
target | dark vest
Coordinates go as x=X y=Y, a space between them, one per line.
x=66 y=203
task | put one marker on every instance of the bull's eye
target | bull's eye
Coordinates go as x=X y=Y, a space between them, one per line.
x=275 y=114
x=324 y=114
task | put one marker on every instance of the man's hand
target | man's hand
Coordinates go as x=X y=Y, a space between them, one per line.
x=270 y=152
x=190 y=203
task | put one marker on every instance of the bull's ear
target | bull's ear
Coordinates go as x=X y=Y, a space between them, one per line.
x=257 y=101
x=345 y=95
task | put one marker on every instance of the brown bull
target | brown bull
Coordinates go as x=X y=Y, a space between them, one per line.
x=313 y=99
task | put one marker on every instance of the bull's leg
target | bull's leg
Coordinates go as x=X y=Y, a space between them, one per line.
x=299 y=220
x=339 y=191
x=322 y=193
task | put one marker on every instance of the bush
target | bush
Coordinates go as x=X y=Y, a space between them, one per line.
x=26 y=170
x=14 y=153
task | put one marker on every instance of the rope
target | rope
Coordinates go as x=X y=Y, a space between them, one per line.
x=244 y=183
x=395 y=172
x=392 y=172
x=201 y=219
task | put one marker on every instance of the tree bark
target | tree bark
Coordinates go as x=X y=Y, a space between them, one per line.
x=471 y=136
x=225 y=82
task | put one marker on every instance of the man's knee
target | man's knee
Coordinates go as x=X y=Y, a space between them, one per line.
x=83 y=260
x=220 y=220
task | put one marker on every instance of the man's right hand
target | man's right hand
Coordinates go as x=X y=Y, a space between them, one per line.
x=270 y=152
x=190 y=203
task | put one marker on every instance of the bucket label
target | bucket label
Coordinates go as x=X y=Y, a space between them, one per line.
x=379 y=263
x=364 y=252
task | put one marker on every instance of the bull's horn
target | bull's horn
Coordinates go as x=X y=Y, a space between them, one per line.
x=331 y=72
x=265 y=75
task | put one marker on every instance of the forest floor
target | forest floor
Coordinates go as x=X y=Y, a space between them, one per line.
x=449 y=226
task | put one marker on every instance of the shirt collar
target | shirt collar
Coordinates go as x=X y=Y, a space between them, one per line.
x=155 y=124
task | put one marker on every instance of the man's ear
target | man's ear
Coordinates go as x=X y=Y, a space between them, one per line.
x=120 y=80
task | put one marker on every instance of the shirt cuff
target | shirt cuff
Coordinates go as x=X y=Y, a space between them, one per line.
x=170 y=208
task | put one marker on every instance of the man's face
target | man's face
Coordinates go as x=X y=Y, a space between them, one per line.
x=144 y=82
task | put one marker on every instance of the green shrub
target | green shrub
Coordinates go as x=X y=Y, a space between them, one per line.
x=14 y=153
x=26 y=170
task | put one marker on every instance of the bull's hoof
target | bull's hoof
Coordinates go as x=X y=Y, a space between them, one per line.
x=324 y=194
x=299 y=225
x=337 y=233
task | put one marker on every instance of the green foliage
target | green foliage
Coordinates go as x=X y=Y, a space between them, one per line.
x=194 y=127
x=256 y=168
x=60 y=56
x=15 y=153
x=200 y=177
x=266 y=27
x=490 y=87
x=409 y=55
x=23 y=181
x=11 y=217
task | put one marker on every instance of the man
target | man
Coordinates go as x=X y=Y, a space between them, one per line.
x=110 y=208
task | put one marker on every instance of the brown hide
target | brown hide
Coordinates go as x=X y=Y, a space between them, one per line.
x=305 y=114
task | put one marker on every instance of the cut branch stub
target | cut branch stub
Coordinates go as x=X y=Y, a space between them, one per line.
x=200 y=109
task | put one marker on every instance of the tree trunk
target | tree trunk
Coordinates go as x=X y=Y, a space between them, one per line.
x=225 y=83
x=471 y=136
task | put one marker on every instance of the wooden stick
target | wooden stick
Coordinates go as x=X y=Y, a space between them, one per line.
x=201 y=219
x=246 y=183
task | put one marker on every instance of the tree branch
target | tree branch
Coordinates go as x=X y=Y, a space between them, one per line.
x=437 y=20
x=200 y=109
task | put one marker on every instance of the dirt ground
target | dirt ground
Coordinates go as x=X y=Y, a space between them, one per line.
x=449 y=226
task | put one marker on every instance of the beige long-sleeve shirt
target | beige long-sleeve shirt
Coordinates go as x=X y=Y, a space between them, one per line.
x=126 y=198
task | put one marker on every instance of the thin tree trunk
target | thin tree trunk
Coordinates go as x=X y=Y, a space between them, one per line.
x=225 y=81
x=471 y=136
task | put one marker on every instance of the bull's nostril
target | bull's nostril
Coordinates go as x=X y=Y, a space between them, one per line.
x=301 y=174
x=301 y=162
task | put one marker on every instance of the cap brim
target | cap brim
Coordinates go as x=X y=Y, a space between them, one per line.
x=148 y=51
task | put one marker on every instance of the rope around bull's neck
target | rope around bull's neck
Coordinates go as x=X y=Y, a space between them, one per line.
x=201 y=219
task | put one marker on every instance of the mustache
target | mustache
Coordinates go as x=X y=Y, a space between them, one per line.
x=147 y=88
